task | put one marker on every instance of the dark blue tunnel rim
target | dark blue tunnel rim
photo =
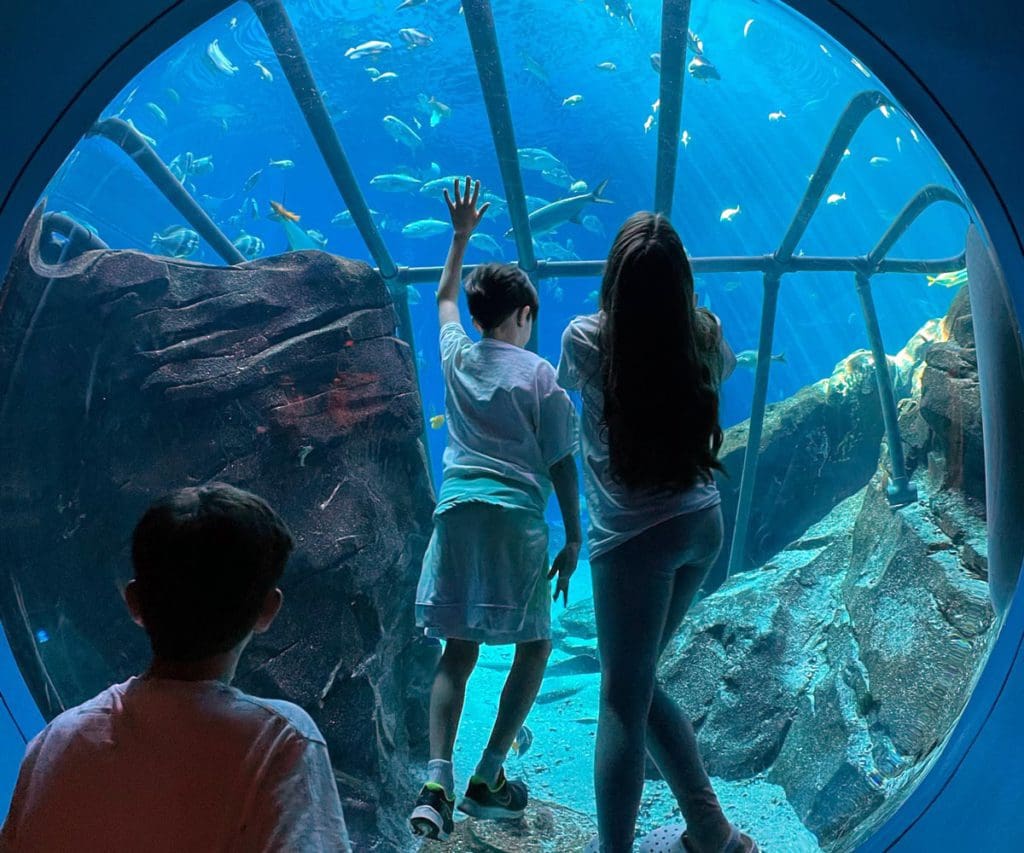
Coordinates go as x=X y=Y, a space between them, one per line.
x=963 y=736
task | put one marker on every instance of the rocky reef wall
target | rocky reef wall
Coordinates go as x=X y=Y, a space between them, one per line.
x=128 y=375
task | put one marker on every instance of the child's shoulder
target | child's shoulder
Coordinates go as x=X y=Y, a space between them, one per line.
x=288 y=712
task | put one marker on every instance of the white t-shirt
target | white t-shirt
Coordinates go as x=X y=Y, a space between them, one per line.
x=617 y=513
x=166 y=765
x=508 y=420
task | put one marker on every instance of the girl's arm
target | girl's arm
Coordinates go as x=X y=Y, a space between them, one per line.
x=465 y=218
x=566 y=483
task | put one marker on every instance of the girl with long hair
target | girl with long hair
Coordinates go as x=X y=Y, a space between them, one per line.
x=648 y=365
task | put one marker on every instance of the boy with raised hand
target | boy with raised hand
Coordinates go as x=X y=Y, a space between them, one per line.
x=511 y=436
x=176 y=759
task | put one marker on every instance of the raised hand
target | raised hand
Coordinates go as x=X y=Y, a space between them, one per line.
x=463 y=211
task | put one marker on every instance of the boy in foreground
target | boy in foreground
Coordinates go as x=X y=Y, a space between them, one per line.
x=177 y=759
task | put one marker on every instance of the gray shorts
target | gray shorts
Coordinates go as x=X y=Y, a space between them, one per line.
x=484 y=576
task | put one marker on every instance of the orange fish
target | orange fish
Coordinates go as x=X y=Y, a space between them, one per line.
x=283 y=212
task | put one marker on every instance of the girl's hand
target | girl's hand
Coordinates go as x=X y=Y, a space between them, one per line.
x=564 y=566
x=463 y=211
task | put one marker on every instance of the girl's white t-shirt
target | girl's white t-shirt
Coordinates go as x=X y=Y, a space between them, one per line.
x=617 y=513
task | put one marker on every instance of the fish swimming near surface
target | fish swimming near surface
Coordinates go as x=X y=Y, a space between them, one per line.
x=265 y=72
x=572 y=101
x=422 y=228
x=437 y=422
x=250 y=182
x=415 y=38
x=498 y=205
x=701 y=69
x=551 y=216
x=485 y=243
x=539 y=160
x=249 y=245
x=401 y=132
x=181 y=166
x=835 y=198
x=368 y=48
x=523 y=741
x=438 y=185
x=201 y=165
x=748 y=358
x=395 y=183
x=434 y=108
x=219 y=60
x=948 y=279
x=606 y=66
x=729 y=213
x=159 y=113
x=344 y=219
x=558 y=177
x=281 y=164
x=620 y=9
x=176 y=241
x=282 y=212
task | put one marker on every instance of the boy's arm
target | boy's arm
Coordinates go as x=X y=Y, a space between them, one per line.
x=465 y=218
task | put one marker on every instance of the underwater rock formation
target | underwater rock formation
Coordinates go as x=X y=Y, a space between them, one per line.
x=130 y=375
x=545 y=828
x=838 y=667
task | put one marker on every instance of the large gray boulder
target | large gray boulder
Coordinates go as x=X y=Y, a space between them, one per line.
x=125 y=375
x=837 y=668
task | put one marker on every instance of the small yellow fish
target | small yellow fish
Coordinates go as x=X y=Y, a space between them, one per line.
x=948 y=279
x=437 y=422
x=281 y=211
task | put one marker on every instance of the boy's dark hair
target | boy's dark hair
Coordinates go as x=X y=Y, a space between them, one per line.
x=494 y=291
x=205 y=559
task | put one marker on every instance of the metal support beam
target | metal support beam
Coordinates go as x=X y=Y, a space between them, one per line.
x=675 y=20
x=480 y=23
x=859 y=108
x=751 y=263
x=285 y=41
x=900 y=490
x=769 y=307
x=129 y=140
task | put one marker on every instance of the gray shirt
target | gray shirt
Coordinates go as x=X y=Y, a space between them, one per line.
x=617 y=513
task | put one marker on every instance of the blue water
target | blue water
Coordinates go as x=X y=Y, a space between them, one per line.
x=734 y=156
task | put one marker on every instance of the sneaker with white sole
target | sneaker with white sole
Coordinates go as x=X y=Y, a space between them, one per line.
x=432 y=815
x=506 y=800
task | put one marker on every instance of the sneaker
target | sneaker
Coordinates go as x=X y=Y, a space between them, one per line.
x=432 y=816
x=505 y=801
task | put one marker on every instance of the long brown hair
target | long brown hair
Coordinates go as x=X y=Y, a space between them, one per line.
x=660 y=395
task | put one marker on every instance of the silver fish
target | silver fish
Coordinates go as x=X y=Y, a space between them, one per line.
x=395 y=183
x=219 y=60
x=176 y=241
x=415 y=38
x=426 y=228
x=368 y=48
x=551 y=216
x=249 y=245
x=401 y=132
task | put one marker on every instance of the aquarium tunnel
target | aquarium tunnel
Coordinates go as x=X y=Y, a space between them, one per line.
x=221 y=230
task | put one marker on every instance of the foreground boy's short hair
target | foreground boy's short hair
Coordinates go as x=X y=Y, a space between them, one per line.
x=205 y=559
x=494 y=291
